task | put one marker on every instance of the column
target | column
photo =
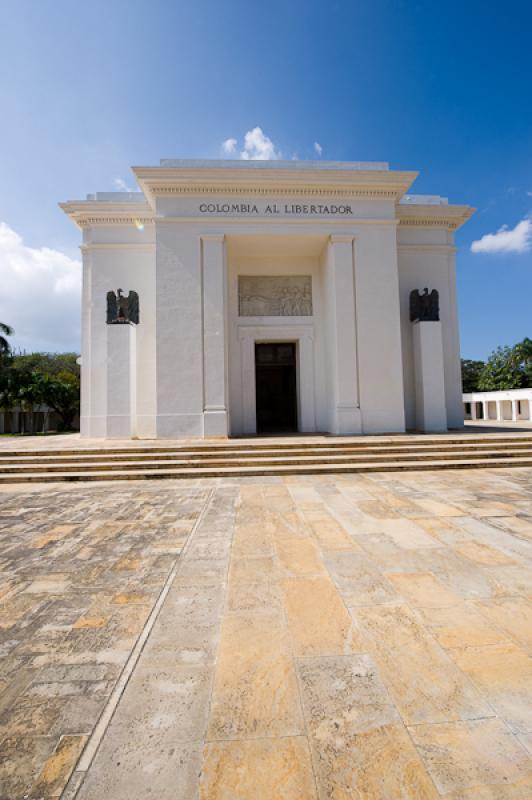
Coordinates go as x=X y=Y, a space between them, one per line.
x=473 y=410
x=345 y=417
x=121 y=383
x=485 y=413
x=215 y=367
x=498 y=405
x=431 y=410
x=514 y=410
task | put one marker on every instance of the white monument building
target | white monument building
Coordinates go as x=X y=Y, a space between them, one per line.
x=230 y=298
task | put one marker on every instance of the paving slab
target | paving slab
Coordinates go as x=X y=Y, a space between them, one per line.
x=269 y=638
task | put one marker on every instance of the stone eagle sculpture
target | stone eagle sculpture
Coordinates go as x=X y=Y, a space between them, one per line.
x=122 y=308
x=424 y=307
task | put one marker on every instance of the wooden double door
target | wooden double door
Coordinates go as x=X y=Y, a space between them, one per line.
x=276 y=387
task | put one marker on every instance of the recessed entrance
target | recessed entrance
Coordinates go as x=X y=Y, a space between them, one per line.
x=275 y=385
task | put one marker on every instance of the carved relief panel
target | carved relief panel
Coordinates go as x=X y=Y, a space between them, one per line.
x=275 y=295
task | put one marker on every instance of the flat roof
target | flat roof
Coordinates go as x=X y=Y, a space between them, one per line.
x=220 y=163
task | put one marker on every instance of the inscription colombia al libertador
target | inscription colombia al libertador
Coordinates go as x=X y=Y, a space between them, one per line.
x=273 y=208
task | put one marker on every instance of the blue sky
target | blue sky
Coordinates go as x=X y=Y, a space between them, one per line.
x=88 y=89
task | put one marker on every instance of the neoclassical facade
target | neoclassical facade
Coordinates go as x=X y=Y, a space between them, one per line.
x=230 y=298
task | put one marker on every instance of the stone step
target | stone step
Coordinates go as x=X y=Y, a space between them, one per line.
x=267 y=470
x=358 y=443
x=258 y=459
x=67 y=457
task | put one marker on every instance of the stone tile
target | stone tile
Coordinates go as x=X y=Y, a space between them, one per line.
x=503 y=674
x=517 y=791
x=422 y=589
x=483 y=553
x=127 y=768
x=259 y=597
x=173 y=701
x=464 y=755
x=252 y=540
x=330 y=535
x=513 y=615
x=359 y=744
x=250 y=570
x=444 y=530
x=255 y=691
x=58 y=767
x=298 y=557
x=204 y=568
x=507 y=543
x=358 y=582
x=177 y=640
x=408 y=534
x=318 y=621
x=438 y=508
x=461 y=626
x=262 y=769
x=510 y=580
x=526 y=741
x=289 y=525
x=21 y=760
x=420 y=677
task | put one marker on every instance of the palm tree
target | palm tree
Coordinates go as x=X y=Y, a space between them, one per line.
x=5 y=347
x=521 y=358
x=522 y=352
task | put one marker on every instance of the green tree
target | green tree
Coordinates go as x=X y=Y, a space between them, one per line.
x=31 y=379
x=470 y=374
x=5 y=346
x=521 y=357
x=61 y=393
x=499 y=372
x=48 y=363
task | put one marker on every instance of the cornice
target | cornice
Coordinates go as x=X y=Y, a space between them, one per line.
x=111 y=219
x=221 y=221
x=434 y=248
x=341 y=238
x=85 y=213
x=429 y=216
x=273 y=190
x=280 y=182
x=116 y=246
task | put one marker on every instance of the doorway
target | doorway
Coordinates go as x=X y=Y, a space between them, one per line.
x=276 y=387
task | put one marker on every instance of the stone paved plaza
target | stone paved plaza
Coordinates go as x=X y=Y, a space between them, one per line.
x=363 y=636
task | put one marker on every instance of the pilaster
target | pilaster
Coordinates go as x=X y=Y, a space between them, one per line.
x=431 y=411
x=345 y=417
x=215 y=367
x=121 y=381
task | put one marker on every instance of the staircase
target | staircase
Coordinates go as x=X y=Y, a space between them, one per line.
x=260 y=457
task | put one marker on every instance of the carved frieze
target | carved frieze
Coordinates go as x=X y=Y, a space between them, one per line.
x=275 y=296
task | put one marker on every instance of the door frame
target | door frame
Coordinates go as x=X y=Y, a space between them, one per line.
x=295 y=366
x=303 y=337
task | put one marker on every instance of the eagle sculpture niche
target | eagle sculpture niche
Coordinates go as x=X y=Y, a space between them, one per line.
x=122 y=308
x=424 y=307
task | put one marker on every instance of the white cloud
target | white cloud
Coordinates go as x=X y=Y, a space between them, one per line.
x=121 y=186
x=318 y=148
x=229 y=146
x=40 y=295
x=259 y=147
x=506 y=240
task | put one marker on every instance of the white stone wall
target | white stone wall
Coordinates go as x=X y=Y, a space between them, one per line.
x=126 y=263
x=182 y=251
